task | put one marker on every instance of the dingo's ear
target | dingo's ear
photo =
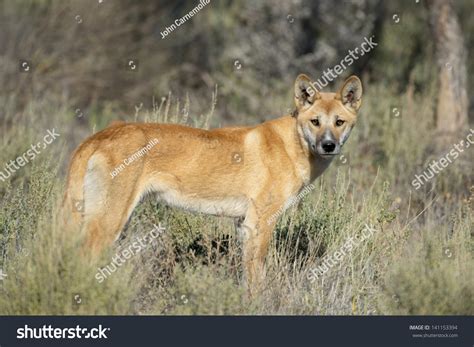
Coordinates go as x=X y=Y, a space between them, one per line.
x=305 y=93
x=350 y=93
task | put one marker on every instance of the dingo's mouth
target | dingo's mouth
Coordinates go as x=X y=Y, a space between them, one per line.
x=327 y=155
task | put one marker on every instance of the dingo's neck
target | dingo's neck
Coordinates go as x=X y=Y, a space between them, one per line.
x=307 y=165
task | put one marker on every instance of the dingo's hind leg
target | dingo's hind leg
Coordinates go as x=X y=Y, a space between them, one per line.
x=108 y=203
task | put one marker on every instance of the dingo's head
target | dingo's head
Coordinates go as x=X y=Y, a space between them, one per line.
x=325 y=120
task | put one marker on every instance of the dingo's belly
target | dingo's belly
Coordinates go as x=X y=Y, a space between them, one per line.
x=225 y=206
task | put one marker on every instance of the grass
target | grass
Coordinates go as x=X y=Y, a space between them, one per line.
x=195 y=266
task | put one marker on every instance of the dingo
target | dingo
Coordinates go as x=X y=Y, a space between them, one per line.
x=247 y=173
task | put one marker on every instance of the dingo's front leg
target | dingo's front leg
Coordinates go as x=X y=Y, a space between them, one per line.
x=257 y=230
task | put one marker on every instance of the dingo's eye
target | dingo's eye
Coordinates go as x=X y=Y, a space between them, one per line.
x=340 y=122
x=315 y=122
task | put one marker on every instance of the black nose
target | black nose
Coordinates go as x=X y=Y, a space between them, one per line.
x=328 y=146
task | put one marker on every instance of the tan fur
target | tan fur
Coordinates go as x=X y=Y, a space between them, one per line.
x=243 y=172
